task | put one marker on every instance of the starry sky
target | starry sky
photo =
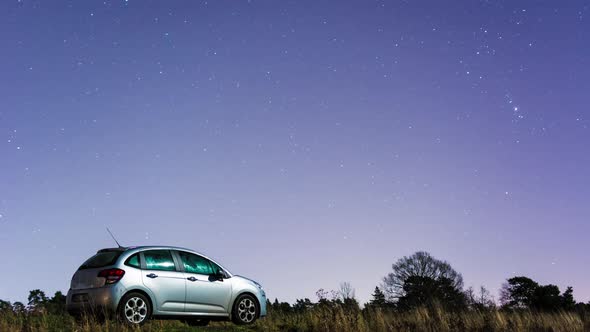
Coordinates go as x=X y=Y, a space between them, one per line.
x=300 y=143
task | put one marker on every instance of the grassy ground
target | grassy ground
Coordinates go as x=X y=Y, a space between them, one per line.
x=329 y=319
x=33 y=323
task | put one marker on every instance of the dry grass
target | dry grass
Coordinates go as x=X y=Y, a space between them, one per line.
x=47 y=323
x=335 y=319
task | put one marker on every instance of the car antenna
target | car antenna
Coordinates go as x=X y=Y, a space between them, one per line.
x=117 y=242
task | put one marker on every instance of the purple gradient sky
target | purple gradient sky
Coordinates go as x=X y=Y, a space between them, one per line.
x=300 y=143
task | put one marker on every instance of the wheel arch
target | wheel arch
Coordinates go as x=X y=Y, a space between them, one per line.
x=245 y=292
x=140 y=291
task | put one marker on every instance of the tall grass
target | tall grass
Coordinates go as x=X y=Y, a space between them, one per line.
x=48 y=322
x=337 y=319
x=328 y=318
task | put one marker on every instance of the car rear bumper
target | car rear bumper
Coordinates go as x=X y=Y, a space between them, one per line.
x=94 y=300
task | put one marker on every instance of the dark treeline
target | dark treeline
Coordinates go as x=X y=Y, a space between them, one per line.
x=416 y=281
x=422 y=281
x=38 y=303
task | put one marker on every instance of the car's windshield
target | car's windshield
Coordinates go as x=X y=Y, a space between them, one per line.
x=101 y=259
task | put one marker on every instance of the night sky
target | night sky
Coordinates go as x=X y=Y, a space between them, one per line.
x=300 y=143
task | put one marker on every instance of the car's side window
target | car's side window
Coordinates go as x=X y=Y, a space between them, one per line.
x=133 y=261
x=217 y=269
x=159 y=260
x=195 y=264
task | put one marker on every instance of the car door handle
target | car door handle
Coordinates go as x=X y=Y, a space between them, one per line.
x=192 y=279
x=152 y=275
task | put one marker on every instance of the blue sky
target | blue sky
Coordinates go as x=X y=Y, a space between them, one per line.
x=300 y=143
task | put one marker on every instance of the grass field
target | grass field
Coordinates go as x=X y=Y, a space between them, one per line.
x=330 y=319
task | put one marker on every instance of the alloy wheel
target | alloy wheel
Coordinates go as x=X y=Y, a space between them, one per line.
x=136 y=310
x=247 y=310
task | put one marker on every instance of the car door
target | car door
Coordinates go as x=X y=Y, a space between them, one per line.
x=204 y=293
x=163 y=277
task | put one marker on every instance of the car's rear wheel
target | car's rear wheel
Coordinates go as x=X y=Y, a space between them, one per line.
x=134 y=309
x=246 y=310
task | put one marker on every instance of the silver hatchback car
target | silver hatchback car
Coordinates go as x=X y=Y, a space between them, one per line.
x=138 y=283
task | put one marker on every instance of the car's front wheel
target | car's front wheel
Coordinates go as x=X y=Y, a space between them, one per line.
x=134 y=309
x=246 y=310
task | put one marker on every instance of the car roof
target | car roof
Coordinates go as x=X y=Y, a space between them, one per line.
x=148 y=247
x=112 y=249
x=163 y=247
x=142 y=248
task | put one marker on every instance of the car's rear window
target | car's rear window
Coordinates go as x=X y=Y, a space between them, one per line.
x=101 y=259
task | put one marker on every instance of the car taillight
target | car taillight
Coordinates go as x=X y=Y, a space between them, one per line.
x=111 y=275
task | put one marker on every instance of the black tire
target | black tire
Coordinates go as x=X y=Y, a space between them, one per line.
x=134 y=309
x=245 y=310
x=197 y=322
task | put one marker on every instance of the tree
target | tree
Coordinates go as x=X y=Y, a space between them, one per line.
x=421 y=265
x=346 y=291
x=378 y=298
x=322 y=294
x=583 y=309
x=57 y=304
x=18 y=307
x=284 y=307
x=345 y=296
x=518 y=292
x=272 y=305
x=425 y=291
x=323 y=299
x=546 y=298
x=5 y=306
x=523 y=292
x=567 y=299
x=37 y=299
x=481 y=300
x=302 y=305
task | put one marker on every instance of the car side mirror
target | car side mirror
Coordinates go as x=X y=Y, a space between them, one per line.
x=216 y=277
